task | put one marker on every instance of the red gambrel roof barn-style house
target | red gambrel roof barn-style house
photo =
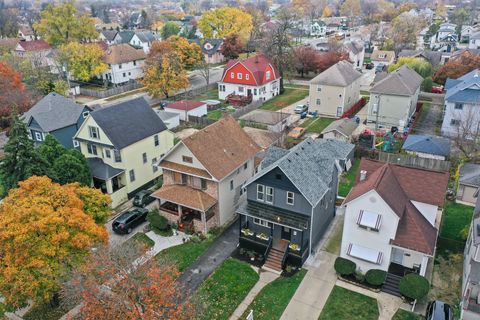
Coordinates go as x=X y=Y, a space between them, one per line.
x=256 y=77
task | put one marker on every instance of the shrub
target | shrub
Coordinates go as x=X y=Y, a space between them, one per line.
x=344 y=266
x=375 y=277
x=427 y=84
x=157 y=221
x=359 y=276
x=414 y=286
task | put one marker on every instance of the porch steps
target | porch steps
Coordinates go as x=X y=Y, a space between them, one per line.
x=391 y=285
x=274 y=260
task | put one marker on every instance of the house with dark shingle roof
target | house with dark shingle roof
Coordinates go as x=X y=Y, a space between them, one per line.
x=55 y=115
x=125 y=63
x=393 y=99
x=204 y=175
x=468 y=184
x=290 y=202
x=123 y=143
x=108 y=36
x=462 y=105
x=341 y=129
x=392 y=216
x=211 y=50
x=426 y=146
x=335 y=90
x=143 y=39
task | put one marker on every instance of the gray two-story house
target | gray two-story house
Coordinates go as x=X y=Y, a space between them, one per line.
x=58 y=116
x=291 y=202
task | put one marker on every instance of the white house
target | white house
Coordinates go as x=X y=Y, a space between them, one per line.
x=318 y=29
x=256 y=77
x=171 y=119
x=108 y=36
x=356 y=52
x=185 y=108
x=125 y=63
x=474 y=41
x=26 y=33
x=392 y=215
x=462 y=102
x=466 y=32
x=144 y=40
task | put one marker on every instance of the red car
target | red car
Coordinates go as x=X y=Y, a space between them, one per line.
x=438 y=89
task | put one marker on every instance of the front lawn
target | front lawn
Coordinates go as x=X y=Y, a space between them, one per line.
x=456 y=217
x=346 y=304
x=272 y=300
x=225 y=289
x=406 y=315
x=347 y=180
x=288 y=97
x=316 y=125
x=141 y=238
x=185 y=254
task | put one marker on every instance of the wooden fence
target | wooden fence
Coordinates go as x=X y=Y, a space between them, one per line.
x=105 y=93
x=193 y=92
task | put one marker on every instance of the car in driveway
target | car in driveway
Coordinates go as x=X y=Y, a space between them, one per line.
x=301 y=108
x=369 y=66
x=127 y=221
x=439 y=310
x=380 y=68
x=143 y=198
x=296 y=132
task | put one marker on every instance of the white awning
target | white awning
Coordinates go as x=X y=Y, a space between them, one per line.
x=369 y=219
x=367 y=254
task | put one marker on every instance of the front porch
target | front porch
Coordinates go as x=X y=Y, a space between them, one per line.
x=109 y=180
x=187 y=219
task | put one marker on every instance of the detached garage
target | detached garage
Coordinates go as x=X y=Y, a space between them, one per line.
x=187 y=108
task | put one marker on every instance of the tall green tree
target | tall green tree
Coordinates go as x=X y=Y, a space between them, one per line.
x=21 y=161
x=170 y=29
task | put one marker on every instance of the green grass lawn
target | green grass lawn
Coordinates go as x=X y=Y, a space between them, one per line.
x=142 y=239
x=335 y=242
x=406 y=315
x=185 y=254
x=455 y=218
x=272 y=300
x=348 y=180
x=288 y=97
x=316 y=125
x=346 y=304
x=225 y=289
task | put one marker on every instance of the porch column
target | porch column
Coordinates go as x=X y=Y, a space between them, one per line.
x=423 y=267
x=109 y=185
x=204 y=219
x=179 y=210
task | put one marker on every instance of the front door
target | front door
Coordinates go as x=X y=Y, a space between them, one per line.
x=249 y=92
x=286 y=233
x=397 y=256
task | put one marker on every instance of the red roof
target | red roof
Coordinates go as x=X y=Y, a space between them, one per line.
x=258 y=65
x=185 y=105
x=399 y=186
x=35 y=45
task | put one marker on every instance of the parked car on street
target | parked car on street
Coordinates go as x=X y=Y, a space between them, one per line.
x=143 y=198
x=296 y=132
x=369 y=66
x=380 y=68
x=301 y=108
x=127 y=221
x=439 y=310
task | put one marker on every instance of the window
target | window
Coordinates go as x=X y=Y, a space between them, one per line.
x=85 y=114
x=247 y=76
x=245 y=166
x=260 y=192
x=240 y=89
x=369 y=220
x=319 y=88
x=134 y=62
x=120 y=66
x=92 y=149
x=382 y=56
x=132 y=175
x=255 y=91
x=124 y=75
x=239 y=75
x=269 y=195
x=154 y=165
x=94 y=132
x=458 y=106
x=187 y=159
x=231 y=184
x=262 y=222
x=232 y=75
x=364 y=253
x=318 y=102
x=38 y=136
x=129 y=73
x=108 y=153
x=454 y=122
x=117 y=156
x=75 y=143
x=221 y=87
x=268 y=75
x=204 y=184
x=184 y=178
x=290 y=198
x=144 y=157
x=278 y=176
x=155 y=140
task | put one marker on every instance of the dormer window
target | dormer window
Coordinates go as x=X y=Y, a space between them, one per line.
x=94 y=132
x=382 y=56
x=247 y=76
x=239 y=76
x=268 y=75
x=369 y=220
x=187 y=159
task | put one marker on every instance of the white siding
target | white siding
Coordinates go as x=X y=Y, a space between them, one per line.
x=128 y=71
x=263 y=93
x=197 y=112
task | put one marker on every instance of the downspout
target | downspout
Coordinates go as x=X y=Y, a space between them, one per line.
x=311 y=228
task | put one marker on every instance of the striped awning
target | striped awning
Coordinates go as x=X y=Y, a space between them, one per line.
x=369 y=220
x=367 y=254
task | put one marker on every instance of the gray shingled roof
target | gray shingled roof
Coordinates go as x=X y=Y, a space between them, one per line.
x=427 y=144
x=309 y=165
x=109 y=34
x=340 y=74
x=53 y=112
x=146 y=36
x=128 y=122
x=102 y=170
x=344 y=126
x=403 y=82
x=470 y=174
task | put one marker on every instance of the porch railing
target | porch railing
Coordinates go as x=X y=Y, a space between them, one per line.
x=285 y=254
x=269 y=247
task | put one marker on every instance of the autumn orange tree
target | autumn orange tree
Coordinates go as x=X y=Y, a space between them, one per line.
x=45 y=230
x=164 y=72
x=231 y=47
x=108 y=286
x=190 y=53
x=455 y=68
x=13 y=94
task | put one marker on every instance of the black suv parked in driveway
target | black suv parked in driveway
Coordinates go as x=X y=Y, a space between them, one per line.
x=125 y=222
x=439 y=310
x=142 y=198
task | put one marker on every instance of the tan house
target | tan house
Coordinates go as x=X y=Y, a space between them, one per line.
x=382 y=57
x=393 y=99
x=125 y=63
x=204 y=175
x=468 y=184
x=341 y=129
x=335 y=90
x=122 y=144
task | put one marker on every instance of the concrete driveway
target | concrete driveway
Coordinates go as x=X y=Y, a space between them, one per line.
x=291 y=108
x=366 y=79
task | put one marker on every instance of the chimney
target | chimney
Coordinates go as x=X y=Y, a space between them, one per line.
x=363 y=175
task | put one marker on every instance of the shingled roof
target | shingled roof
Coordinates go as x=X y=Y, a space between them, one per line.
x=122 y=53
x=403 y=82
x=399 y=186
x=257 y=65
x=341 y=74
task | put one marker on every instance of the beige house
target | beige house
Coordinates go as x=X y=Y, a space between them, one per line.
x=341 y=129
x=382 y=57
x=122 y=144
x=468 y=184
x=393 y=99
x=204 y=175
x=335 y=90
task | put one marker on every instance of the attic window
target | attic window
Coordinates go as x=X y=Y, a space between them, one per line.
x=278 y=176
x=268 y=75
x=369 y=220
x=85 y=114
x=187 y=159
x=382 y=56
